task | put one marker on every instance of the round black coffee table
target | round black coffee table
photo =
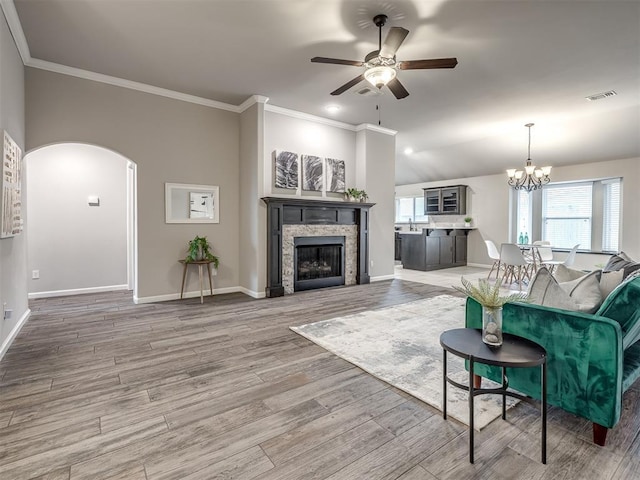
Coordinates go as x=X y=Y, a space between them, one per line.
x=515 y=352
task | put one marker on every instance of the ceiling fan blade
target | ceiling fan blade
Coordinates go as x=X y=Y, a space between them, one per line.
x=394 y=39
x=397 y=89
x=336 y=61
x=432 y=63
x=348 y=85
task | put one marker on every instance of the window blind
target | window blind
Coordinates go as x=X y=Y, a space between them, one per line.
x=611 y=215
x=567 y=214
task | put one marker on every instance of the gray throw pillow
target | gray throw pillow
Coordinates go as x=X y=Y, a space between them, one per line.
x=621 y=262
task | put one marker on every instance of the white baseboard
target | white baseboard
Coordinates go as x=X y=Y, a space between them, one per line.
x=196 y=293
x=380 y=278
x=14 y=333
x=77 y=291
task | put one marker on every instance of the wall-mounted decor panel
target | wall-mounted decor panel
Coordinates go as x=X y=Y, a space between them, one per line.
x=335 y=175
x=312 y=173
x=11 y=217
x=286 y=170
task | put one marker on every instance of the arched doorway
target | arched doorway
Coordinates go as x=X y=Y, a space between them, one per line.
x=81 y=220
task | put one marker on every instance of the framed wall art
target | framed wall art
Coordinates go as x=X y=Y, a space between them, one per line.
x=186 y=203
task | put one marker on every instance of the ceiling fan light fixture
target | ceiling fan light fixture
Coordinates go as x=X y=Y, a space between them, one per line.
x=379 y=76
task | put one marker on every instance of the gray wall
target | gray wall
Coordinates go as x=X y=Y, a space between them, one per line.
x=64 y=229
x=13 y=251
x=170 y=141
x=488 y=204
x=378 y=170
x=252 y=232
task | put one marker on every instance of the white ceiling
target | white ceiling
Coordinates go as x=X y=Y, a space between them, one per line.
x=520 y=61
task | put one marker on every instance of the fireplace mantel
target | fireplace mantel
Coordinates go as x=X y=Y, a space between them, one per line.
x=299 y=211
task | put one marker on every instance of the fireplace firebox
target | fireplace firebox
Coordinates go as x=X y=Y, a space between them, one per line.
x=318 y=262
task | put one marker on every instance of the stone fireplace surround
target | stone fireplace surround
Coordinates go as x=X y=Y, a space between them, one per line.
x=288 y=218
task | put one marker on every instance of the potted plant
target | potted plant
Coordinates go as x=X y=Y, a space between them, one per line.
x=492 y=302
x=467 y=221
x=200 y=249
x=355 y=195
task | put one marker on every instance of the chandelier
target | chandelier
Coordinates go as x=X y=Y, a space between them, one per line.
x=531 y=178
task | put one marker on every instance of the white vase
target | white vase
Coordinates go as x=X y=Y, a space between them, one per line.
x=492 y=326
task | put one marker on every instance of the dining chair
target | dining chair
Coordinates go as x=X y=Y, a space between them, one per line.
x=516 y=267
x=567 y=262
x=494 y=255
x=542 y=250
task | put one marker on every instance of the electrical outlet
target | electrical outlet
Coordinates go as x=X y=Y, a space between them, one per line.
x=7 y=314
x=35 y=274
x=372 y=263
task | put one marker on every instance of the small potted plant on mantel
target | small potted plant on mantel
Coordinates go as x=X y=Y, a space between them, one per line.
x=467 y=221
x=355 y=195
x=200 y=249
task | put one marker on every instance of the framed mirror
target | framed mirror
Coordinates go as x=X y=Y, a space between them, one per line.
x=186 y=203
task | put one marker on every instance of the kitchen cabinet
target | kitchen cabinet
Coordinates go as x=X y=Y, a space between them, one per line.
x=445 y=200
x=434 y=249
x=398 y=247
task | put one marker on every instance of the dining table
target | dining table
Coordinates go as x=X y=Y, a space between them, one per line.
x=531 y=252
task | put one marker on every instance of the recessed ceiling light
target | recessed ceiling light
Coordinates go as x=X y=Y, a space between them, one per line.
x=408 y=151
x=332 y=108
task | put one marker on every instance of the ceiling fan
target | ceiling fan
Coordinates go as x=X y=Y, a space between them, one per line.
x=381 y=66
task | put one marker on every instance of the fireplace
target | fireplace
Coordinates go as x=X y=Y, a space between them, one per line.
x=318 y=262
x=290 y=219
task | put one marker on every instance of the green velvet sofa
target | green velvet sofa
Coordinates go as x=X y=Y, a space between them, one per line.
x=592 y=359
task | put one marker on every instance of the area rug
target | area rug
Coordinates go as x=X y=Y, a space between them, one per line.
x=401 y=346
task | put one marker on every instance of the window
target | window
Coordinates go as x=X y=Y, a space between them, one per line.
x=410 y=209
x=611 y=215
x=524 y=216
x=566 y=214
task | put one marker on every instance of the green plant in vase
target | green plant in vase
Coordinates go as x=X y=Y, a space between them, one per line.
x=489 y=297
x=467 y=221
x=200 y=249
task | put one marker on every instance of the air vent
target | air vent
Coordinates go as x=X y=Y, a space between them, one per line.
x=368 y=92
x=600 y=96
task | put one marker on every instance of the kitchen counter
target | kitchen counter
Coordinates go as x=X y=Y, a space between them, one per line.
x=437 y=227
x=434 y=248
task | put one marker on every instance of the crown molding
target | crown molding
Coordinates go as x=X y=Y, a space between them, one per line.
x=307 y=116
x=252 y=100
x=121 y=82
x=15 y=27
x=375 y=128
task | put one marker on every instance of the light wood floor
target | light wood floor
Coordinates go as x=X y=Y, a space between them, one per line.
x=96 y=387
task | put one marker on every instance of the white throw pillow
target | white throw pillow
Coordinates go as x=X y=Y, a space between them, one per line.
x=581 y=294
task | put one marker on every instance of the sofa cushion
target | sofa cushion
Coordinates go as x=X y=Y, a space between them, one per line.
x=609 y=281
x=622 y=305
x=562 y=273
x=621 y=262
x=581 y=294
